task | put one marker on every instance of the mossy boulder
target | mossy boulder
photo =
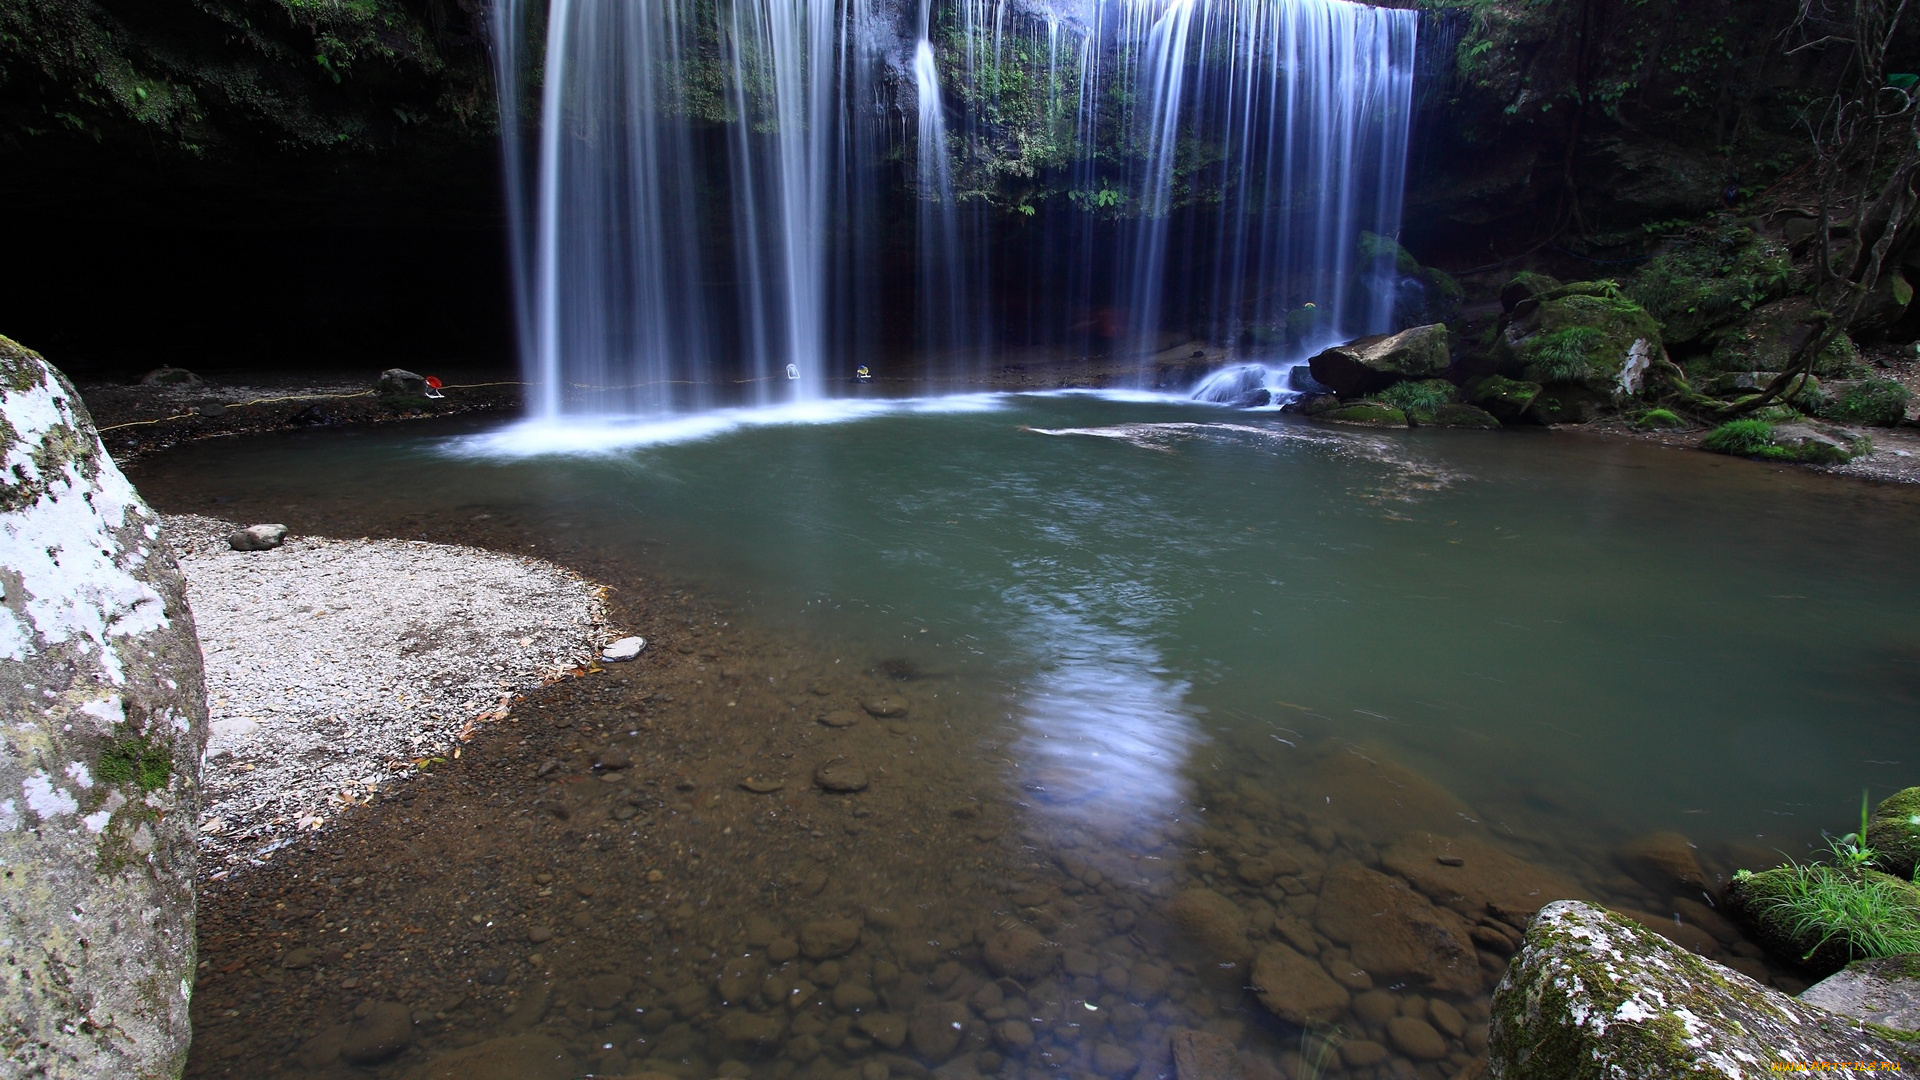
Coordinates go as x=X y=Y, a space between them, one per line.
x=1710 y=278
x=1884 y=991
x=1463 y=416
x=1593 y=996
x=1762 y=903
x=1421 y=294
x=1524 y=286
x=1506 y=400
x=1585 y=336
x=1769 y=337
x=1894 y=833
x=1804 y=443
x=1365 y=414
x=1374 y=363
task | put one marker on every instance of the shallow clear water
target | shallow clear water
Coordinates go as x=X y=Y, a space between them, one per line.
x=1153 y=613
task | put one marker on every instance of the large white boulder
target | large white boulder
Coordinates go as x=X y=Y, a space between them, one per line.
x=105 y=721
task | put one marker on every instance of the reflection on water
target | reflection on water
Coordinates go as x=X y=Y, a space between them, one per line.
x=1177 y=694
x=1105 y=730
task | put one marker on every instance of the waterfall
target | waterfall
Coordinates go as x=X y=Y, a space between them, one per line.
x=708 y=212
x=696 y=182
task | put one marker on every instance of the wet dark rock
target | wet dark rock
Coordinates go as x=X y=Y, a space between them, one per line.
x=1365 y=414
x=936 y=1028
x=1884 y=991
x=1021 y=953
x=1504 y=399
x=1203 y=1055
x=1481 y=879
x=384 y=1032
x=1374 y=363
x=823 y=939
x=840 y=775
x=166 y=375
x=604 y=991
x=1295 y=988
x=1395 y=933
x=840 y=718
x=1463 y=416
x=885 y=706
x=1665 y=862
x=887 y=1029
x=748 y=1029
x=1416 y=1038
x=1216 y=922
x=1593 y=995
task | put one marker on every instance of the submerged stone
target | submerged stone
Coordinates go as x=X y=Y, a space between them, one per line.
x=1216 y=922
x=1592 y=996
x=1394 y=933
x=1295 y=988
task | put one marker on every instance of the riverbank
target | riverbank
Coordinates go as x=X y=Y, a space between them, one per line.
x=337 y=669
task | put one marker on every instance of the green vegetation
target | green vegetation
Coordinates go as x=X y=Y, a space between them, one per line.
x=1741 y=438
x=1562 y=355
x=1658 y=419
x=1719 y=271
x=145 y=764
x=1419 y=400
x=1849 y=909
x=1882 y=402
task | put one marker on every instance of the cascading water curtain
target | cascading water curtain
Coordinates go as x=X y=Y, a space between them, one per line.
x=1236 y=150
x=699 y=173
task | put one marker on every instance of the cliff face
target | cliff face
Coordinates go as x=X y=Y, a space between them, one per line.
x=239 y=95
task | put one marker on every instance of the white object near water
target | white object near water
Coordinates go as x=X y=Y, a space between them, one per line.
x=624 y=649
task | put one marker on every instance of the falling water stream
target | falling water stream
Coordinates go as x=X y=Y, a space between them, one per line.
x=700 y=221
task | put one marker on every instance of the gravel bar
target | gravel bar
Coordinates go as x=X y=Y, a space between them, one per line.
x=336 y=668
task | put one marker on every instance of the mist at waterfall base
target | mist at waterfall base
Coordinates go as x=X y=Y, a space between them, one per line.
x=741 y=205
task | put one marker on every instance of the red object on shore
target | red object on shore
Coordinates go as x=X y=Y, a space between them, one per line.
x=433 y=386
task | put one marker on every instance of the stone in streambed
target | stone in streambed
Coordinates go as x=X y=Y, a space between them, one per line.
x=841 y=776
x=840 y=718
x=885 y=707
x=1295 y=988
x=824 y=939
x=1592 y=995
x=1395 y=933
x=749 y=1029
x=1664 y=862
x=887 y=1029
x=385 y=1031
x=1216 y=922
x=1416 y=1038
x=1020 y=953
x=515 y=1057
x=936 y=1028
x=1475 y=878
x=1203 y=1055
x=257 y=538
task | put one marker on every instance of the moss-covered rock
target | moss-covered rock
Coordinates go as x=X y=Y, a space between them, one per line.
x=1463 y=416
x=1768 y=338
x=1524 y=286
x=1884 y=991
x=1507 y=400
x=1374 y=363
x=1592 y=996
x=1366 y=414
x=1710 y=277
x=1819 y=934
x=1894 y=833
x=1585 y=336
x=1421 y=294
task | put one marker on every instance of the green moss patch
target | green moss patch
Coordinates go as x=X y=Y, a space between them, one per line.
x=136 y=761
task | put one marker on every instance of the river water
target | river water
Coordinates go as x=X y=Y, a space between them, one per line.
x=1149 y=699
